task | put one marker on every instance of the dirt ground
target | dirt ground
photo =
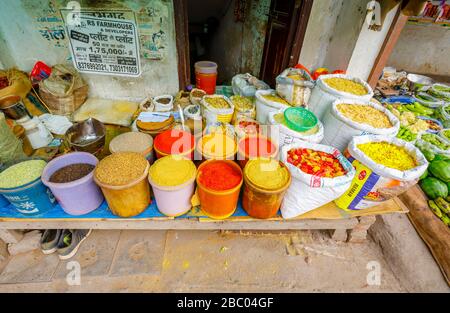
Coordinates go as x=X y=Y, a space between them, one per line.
x=209 y=261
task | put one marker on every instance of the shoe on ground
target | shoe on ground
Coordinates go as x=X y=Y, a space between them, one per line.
x=70 y=241
x=49 y=240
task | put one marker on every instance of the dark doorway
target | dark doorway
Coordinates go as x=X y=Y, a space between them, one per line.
x=241 y=36
x=285 y=32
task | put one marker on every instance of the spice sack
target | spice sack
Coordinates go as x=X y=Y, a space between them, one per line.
x=294 y=85
x=375 y=183
x=339 y=129
x=308 y=192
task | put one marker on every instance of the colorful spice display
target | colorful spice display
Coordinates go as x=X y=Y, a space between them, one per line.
x=266 y=173
x=389 y=155
x=217 y=102
x=317 y=163
x=71 y=173
x=172 y=171
x=21 y=173
x=275 y=98
x=346 y=85
x=257 y=146
x=174 y=141
x=217 y=145
x=121 y=168
x=365 y=114
x=219 y=176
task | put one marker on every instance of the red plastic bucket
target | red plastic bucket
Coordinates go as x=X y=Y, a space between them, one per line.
x=206 y=76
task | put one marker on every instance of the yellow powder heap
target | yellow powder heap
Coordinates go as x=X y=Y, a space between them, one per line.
x=218 y=146
x=266 y=173
x=389 y=155
x=120 y=168
x=172 y=170
x=346 y=85
x=365 y=114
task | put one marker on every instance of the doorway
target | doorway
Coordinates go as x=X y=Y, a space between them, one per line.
x=260 y=37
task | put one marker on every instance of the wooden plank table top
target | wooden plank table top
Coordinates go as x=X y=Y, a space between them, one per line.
x=328 y=216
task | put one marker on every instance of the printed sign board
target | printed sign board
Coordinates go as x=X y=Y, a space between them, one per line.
x=103 y=42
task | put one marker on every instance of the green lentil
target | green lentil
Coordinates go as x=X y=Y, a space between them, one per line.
x=21 y=173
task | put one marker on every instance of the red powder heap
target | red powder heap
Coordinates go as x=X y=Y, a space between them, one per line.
x=174 y=141
x=219 y=176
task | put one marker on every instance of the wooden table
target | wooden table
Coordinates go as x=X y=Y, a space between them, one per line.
x=343 y=225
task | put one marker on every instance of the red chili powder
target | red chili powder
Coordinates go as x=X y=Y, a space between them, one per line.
x=257 y=147
x=174 y=141
x=219 y=176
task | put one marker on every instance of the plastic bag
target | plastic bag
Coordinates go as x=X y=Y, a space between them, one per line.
x=428 y=145
x=375 y=183
x=308 y=192
x=294 y=91
x=339 y=129
x=322 y=95
x=247 y=85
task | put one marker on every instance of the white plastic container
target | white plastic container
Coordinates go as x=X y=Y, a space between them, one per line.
x=323 y=96
x=264 y=106
x=38 y=135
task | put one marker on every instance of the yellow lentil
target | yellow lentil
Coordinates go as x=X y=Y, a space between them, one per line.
x=365 y=114
x=172 y=171
x=389 y=155
x=346 y=85
x=120 y=168
x=275 y=98
x=266 y=173
x=217 y=102
x=21 y=173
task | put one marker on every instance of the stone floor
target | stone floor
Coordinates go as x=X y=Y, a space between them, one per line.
x=208 y=261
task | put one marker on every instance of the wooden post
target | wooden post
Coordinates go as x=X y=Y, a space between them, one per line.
x=388 y=46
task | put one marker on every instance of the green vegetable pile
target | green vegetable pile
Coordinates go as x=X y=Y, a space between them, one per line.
x=435 y=183
x=406 y=134
x=435 y=141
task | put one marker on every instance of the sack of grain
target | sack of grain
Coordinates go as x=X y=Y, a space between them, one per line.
x=308 y=192
x=348 y=118
x=217 y=108
x=294 y=85
x=377 y=180
x=323 y=94
x=268 y=101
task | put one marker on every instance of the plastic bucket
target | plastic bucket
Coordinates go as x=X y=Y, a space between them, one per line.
x=263 y=203
x=31 y=199
x=130 y=199
x=222 y=153
x=218 y=204
x=206 y=76
x=3 y=202
x=174 y=200
x=80 y=196
x=181 y=143
x=255 y=146
x=133 y=142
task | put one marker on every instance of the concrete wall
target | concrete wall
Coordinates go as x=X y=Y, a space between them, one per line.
x=368 y=46
x=423 y=49
x=22 y=44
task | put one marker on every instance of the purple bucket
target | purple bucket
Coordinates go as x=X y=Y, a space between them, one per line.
x=80 y=196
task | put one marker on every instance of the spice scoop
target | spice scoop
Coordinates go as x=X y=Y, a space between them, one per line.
x=87 y=136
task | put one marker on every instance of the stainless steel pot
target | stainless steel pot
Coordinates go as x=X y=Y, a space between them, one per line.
x=87 y=136
x=14 y=108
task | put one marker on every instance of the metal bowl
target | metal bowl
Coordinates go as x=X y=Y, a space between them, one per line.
x=86 y=136
x=14 y=108
x=416 y=81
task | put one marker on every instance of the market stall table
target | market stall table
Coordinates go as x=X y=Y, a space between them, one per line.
x=342 y=224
